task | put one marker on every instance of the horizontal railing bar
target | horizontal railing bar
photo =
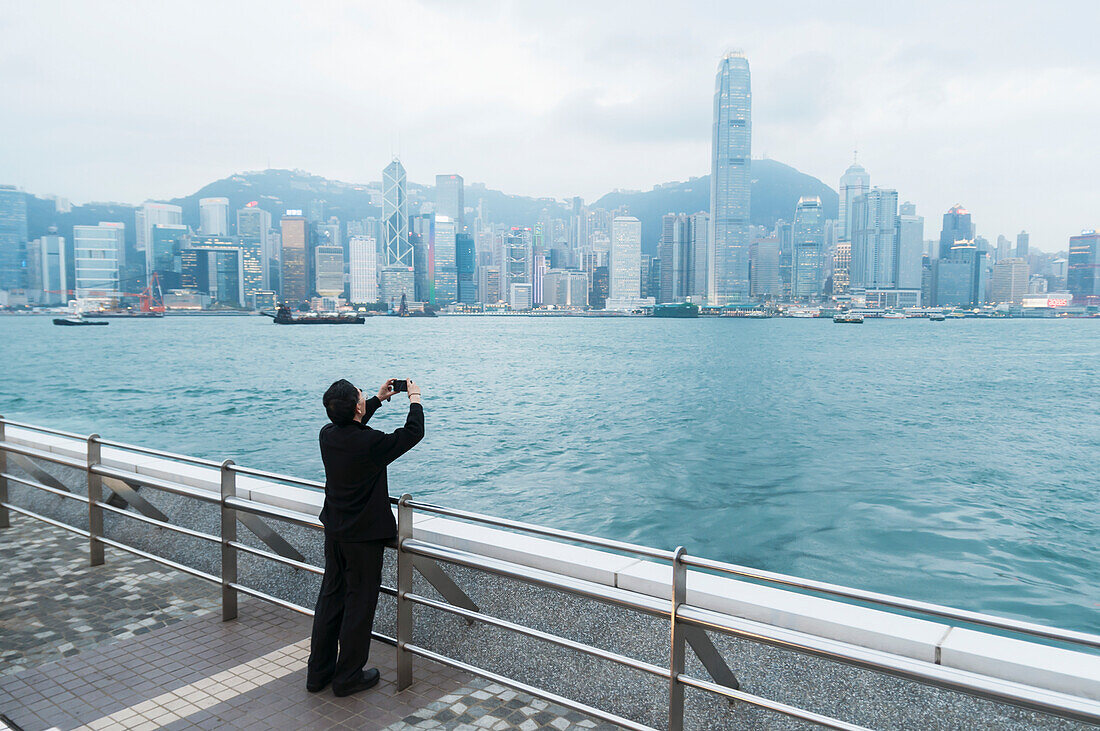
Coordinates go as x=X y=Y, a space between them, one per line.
x=771 y=705
x=544 y=531
x=73 y=462
x=277 y=558
x=600 y=592
x=206 y=496
x=386 y=639
x=529 y=689
x=159 y=559
x=275 y=476
x=941 y=676
x=539 y=635
x=44 y=429
x=161 y=453
x=44 y=519
x=1030 y=628
x=46 y=488
x=271 y=511
x=159 y=523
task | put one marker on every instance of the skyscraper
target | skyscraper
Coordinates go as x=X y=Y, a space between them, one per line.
x=1023 y=244
x=214 y=216
x=808 y=252
x=625 y=263
x=395 y=217
x=728 y=253
x=675 y=251
x=956 y=227
x=295 y=240
x=13 y=238
x=443 y=258
x=700 y=243
x=449 y=200
x=328 y=270
x=52 y=277
x=874 y=218
x=166 y=243
x=96 y=255
x=908 y=259
x=1083 y=272
x=363 y=253
x=153 y=214
x=855 y=181
x=466 y=265
x=765 y=268
x=1009 y=281
x=253 y=224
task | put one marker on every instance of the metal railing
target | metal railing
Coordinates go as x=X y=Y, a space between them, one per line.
x=687 y=623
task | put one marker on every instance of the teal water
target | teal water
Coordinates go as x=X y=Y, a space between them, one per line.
x=952 y=462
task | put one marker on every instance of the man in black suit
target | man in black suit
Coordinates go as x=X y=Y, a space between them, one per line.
x=358 y=523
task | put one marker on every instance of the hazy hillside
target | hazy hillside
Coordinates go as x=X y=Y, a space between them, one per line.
x=775 y=190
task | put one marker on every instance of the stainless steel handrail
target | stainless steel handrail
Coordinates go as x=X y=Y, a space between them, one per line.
x=176 y=488
x=44 y=488
x=54 y=457
x=160 y=453
x=277 y=558
x=272 y=511
x=657 y=553
x=44 y=429
x=912 y=605
x=49 y=521
x=276 y=476
x=158 y=523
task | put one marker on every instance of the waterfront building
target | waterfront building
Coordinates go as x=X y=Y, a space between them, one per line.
x=842 y=261
x=1009 y=281
x=216 y=270
x=422 y=260
x=565 y=288
x=808 y=249
x=254 y=225
x=250 y=261
x=394 y=282
x=625 y=263
x=264 y=300
x=1083 y=266
x=764 y=268
x=443 y=262
x=520 y=296
x=119 y=230
x=700 y=243
x=855 y=181
x=166 y=242
x=466 y=267
x=909 y=241
x=488 y=285
x=874 y=232
x=13 y=238
x=153 y=214
x=295 y=252
x=516 y=259
x=730 y=183
x=214 y=216
x=50 y=275
x=601 y=286
x=95 y=253
x=1023 y=245
x=363 y=264
x=395 y=217
x=450 y=201
x=957 y=226
x=328 y=270
x=677 y=252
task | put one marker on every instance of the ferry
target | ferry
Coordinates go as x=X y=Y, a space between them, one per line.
x=849 y=317
x=77 y=321
x=893 y=315
x=285 y=317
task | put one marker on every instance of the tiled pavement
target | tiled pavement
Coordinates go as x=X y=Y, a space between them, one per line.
x=131 y=645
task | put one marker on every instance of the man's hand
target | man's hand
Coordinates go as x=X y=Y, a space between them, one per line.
x=386 y=390
x=414 y=392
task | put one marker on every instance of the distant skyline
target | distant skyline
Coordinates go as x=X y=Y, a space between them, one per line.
x=991 y=105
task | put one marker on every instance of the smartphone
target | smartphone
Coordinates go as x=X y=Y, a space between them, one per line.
x=400 y=386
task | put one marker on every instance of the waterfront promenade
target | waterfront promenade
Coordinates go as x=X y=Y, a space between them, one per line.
x=130 y=644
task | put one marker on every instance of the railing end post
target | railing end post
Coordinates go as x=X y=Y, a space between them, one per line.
x=5 y=521
x=95 y=497
x=404 y=585
x=676 y=659
x=228 y=534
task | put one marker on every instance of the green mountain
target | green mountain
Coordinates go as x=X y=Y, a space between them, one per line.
x=775 y=191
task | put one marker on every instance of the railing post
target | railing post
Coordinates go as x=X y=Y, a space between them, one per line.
x=4 y=523
x=95 y=497
x=404 y=585
x=228 y=533
x=676 y=662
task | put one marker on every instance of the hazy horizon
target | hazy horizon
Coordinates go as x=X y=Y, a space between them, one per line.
x=128 y=101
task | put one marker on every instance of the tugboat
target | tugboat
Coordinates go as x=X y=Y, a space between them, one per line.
x=285 y=317
x=77 y=321
x=849 y=317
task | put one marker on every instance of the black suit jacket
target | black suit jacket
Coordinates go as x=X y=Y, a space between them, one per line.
x=357 y=499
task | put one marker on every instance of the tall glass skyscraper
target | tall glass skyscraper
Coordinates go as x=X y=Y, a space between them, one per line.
x=395 y=217
x=808 y=253
x=13 y=238
x=853 y=183
x=730 y=178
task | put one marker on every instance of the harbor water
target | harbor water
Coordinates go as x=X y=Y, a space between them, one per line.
x=953 y=462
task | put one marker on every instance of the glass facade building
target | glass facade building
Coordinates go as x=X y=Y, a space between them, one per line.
x=293 y=274
x=450 y=199
x=731 y=177
x=1083 y=268
x=466 y=266
x=444 y=271
x=13 y=238
x=363 y=265
x=395 y=217
x=95 y=253
x=625 y=262
x=808 y=249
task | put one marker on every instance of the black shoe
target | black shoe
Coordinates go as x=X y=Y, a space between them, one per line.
x=317 y=686
x=367 y=680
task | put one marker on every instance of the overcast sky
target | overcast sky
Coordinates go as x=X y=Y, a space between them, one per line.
x=993 y=105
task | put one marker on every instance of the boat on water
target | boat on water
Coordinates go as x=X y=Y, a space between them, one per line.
x=893 y=316
x=285 y=317
x=804 y=313
x=678 y=309
x=849 y=317
x=937 y=317
x=77 y=321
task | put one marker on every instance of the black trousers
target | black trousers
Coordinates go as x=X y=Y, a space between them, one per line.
x=345 y=611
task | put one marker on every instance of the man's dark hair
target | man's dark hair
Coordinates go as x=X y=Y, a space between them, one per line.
x=341 y=398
